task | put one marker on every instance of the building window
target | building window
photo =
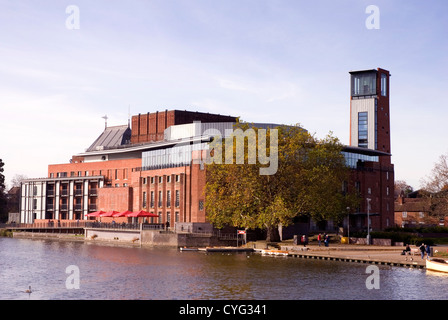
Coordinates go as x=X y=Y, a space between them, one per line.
x=177 y=178
x=421 y=215
x=177 y=216
x=152 y=199
x=383 y=85
x=168 y=198
x=362 y=129
x=177 y=200
x=160 y=199
x=363 y=84
x=201 y=205
x=405 y=214
x=152 y=180
x=387 y=191
x=168 y=217
x=34 y=204
x=160 y=217
x=144 y=200
x=168 y=179
x=143 y=180
x=160 y=179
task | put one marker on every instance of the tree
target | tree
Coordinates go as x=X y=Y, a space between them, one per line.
x=307 y=181
x=402 y=186
x=3 y=202
x=436 y=187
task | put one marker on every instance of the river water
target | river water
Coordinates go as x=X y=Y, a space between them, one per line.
x=54 y=270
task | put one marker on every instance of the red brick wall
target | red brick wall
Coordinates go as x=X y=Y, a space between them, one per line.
x=150 y=126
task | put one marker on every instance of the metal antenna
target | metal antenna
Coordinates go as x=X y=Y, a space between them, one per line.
x=105 y=120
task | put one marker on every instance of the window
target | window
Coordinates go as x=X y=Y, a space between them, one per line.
x=160 y=217
x=34 y=204
x=201 y=205
x=160 y=179
x=152 y=199
x=177 y=216
x=383 y=85
x=421 y=214
x=177 y=178
x=177 y=200
x=144 y=200
x=168 y=179
x=160 y=199
x=152 y=180
x=143 y=180
x=387 y=191
x=405 y=214
x=362 y=129
x=168 y=198
x=363 y=83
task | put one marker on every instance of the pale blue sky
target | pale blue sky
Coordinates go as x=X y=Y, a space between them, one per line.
x=264 y=60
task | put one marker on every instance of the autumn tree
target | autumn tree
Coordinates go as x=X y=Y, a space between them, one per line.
x=436 y=187
x=3 y=202
x=307 y=180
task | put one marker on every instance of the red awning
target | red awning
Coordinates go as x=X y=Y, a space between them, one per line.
x=108 y=214
x=142 y=214
x=122 y=214
x=95 y=214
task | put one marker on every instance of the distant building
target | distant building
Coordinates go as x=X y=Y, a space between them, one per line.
x=414 y=210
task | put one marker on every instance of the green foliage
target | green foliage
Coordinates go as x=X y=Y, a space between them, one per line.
x=308 y=181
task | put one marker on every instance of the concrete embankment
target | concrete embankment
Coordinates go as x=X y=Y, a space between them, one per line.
x=358 y=253
x=130 y=237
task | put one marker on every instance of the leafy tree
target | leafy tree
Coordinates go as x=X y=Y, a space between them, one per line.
x=307 y=181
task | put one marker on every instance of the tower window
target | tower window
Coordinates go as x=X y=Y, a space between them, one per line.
x=383 y=85
x=362 y=129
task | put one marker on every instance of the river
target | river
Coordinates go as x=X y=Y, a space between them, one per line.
x=71 y=270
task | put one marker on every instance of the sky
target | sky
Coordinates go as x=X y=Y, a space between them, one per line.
x=279 y=61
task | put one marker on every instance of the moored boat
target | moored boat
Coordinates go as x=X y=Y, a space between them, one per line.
x=275 y=252
x=437 y=264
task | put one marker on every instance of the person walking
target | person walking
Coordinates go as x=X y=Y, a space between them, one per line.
x=319 y=238
x=428 y=251
x=422 y=250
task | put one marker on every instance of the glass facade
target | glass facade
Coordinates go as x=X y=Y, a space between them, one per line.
x=351 y=159
x=362 y=129
x=172 y=157
x=363 y=84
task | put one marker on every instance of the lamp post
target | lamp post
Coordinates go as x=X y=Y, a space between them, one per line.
x=368 y=220
x=348 y=225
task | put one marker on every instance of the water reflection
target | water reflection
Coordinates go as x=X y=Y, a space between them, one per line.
x=108 y=272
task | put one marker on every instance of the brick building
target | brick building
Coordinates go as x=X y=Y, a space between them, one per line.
x=150 y=166
x=372 y=176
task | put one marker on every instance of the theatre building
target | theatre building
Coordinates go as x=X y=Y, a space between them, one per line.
x=157 y=165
